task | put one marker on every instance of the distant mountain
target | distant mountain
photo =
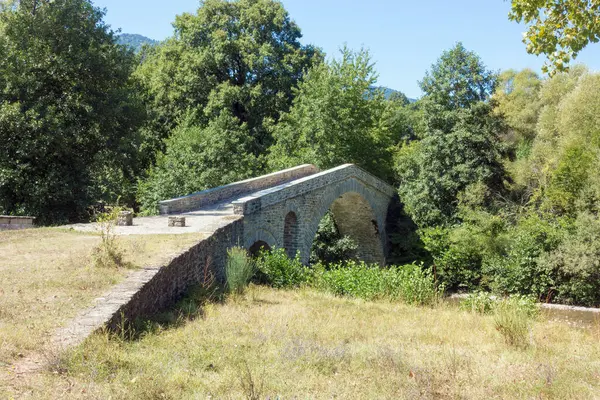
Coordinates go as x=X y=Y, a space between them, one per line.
x=135 y=41
x=387 y=92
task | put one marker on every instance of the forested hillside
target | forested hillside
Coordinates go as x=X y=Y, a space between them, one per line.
x=135 y=41
x=497 y=173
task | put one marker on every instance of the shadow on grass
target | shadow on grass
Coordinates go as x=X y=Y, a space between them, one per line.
x=189 y=308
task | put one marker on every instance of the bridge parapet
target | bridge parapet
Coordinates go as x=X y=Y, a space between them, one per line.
x=207 y=197
x=267 y=197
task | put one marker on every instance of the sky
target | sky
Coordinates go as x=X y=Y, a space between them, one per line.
x=404 y=37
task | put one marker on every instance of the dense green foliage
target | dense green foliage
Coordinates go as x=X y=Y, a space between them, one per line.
x=329 y=245
x=68 y=111
x=275 y=268
x=226 y=74
x=338 y=117
x=560 y=29
x=411 y=284
x=408 y=283
x=538 y=236
x=459 y=144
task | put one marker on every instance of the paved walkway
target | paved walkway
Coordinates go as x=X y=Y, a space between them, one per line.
x=206 y=220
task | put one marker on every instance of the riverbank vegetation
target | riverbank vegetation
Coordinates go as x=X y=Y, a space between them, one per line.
x=497 y=172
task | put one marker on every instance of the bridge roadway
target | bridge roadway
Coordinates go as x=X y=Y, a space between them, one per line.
x=207 y=220
x=205 y=211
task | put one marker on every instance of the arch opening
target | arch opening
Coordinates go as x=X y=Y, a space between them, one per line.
x=291 y=234
x=355 y=232
x=257 y=247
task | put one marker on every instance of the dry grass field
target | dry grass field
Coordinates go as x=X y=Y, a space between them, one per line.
x=47 y=276
x=302 y=344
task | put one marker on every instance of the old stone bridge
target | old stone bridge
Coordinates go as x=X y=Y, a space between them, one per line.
x=282 y=209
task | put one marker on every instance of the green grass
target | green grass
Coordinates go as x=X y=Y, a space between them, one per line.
x=302 y=343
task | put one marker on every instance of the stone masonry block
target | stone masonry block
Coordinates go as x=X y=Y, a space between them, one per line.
x=177 y=222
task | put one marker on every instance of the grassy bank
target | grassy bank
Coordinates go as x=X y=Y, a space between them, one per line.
x=307 y=344
x=48 y=275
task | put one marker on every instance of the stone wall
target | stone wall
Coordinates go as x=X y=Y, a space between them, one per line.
x=257 y=201
x=197 y=200
x=192 y=267
x=152 y=289
x=8 y=222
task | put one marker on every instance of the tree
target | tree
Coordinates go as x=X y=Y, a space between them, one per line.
x=458 y=79
x=67 y=108
x=560 y=29
x=239 y=57
x=459 y=147
x=517 y=99
x=572 y=165
x=533 y=171
x=435 y=170
x=198 y=158
x=336 y=118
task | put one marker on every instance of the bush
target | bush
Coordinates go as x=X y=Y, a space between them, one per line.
x=478 y=302
x=513 y=318
x=108 y=254
x=409 y=283
x=238 y=270
x=576 y=263
x=275 y=268
x=329 y=245
x=457 y=256
x=517 y=269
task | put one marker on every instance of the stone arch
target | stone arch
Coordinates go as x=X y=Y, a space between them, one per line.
x=260 y=237
x=354 y=210
x=291 y=234
x=257 y=246
x=355 y=218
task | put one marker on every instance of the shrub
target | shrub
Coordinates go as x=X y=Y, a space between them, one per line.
x=513 y=318
x=238 y=270
x=517 y=269
x=409 y=283
x=329 y=245
x=275 y=268
x=576 y=263
x=478 y=302
x=108 y=254
x=457 y=255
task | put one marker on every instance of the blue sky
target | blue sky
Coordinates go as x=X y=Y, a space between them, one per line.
x=404 y=37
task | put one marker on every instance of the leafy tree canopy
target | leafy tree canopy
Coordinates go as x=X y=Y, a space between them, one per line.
x=560 y=29
x=458 y=79
x=337 y=117
x=517 y=100
x=240 y=57
x=67 y=107
x=198 y=158
x=459 y=145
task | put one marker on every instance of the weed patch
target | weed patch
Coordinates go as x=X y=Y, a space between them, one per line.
x=513 y=318
x=239 y=269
